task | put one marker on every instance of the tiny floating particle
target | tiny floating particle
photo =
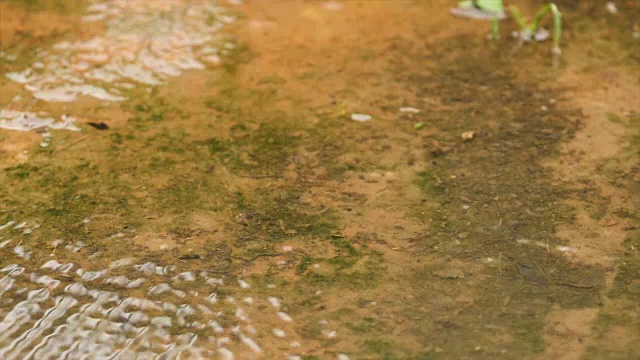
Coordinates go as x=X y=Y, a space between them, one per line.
x=274 y=302
x=409 y=110
x=567 y=249
x=468 y=135
x=360 y=117
x=541 y=34
x=284 y=316
x=243 y=284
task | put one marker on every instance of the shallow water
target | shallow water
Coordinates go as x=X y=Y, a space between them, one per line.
x=286 y=180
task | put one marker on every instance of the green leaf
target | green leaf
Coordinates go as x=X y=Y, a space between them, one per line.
x=493 y=6
x=557 y=27
x=518 y=17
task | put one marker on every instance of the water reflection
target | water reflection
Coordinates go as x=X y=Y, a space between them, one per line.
x=52 y=308
x=144 y=42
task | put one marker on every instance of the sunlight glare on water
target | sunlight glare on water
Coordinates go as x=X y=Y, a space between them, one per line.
x=144 y=43
x=24 y=121
x=53 y=308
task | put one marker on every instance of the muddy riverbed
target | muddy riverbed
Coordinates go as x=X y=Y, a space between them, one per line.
x=316 y=180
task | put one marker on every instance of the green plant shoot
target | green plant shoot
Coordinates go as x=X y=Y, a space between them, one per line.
x=529 y=29
x=492 y=6
x=495 y=7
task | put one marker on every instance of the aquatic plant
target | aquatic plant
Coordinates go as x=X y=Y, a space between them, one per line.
x=494 y=9
x=531 y=30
